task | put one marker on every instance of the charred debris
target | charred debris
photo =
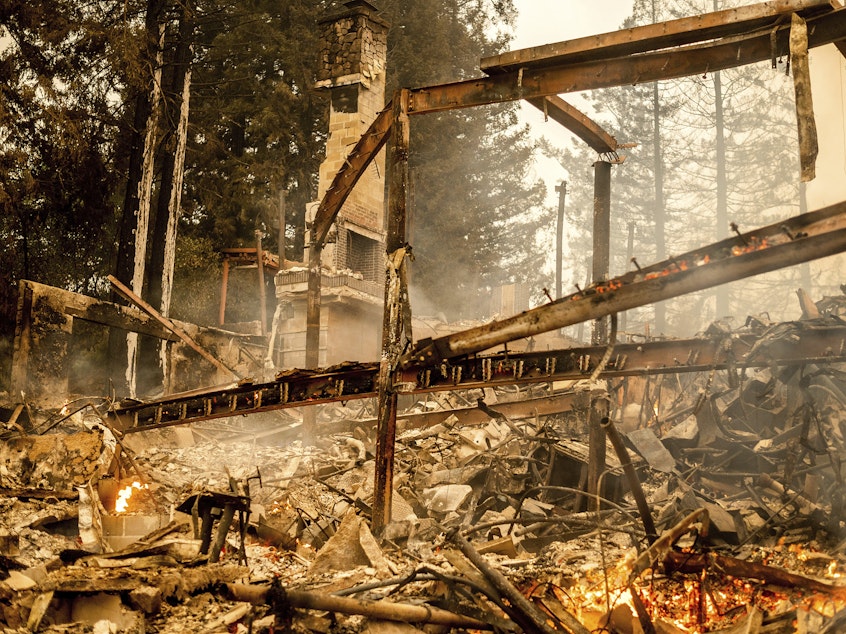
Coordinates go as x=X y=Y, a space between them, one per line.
x=628 y=486
x=720 y=506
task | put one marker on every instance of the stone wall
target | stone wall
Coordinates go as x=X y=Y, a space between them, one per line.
x=354 y=54
x=354 y=42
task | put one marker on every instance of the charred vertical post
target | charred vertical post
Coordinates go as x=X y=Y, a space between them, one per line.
x=599 y=408
x=224 y=288
x=396 y=327
x=312 y=351
x=601 y=237
x=559 y=236
x=262 y=291
x=312 y=347
x=601 y=266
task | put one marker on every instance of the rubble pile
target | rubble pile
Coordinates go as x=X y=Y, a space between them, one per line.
x=721 y=509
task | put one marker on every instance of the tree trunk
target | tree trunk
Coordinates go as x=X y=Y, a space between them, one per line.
x=124 y=257
x=660 y=212
x=142 y=229
x=658 y=173
x=158 y=277
x=722 y=292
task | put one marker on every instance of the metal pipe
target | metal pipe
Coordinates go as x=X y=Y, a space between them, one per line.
x=631 y=475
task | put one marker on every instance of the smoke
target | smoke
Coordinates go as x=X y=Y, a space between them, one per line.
x=828 y=83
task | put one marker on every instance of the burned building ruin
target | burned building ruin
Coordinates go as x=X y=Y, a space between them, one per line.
x=670 y=485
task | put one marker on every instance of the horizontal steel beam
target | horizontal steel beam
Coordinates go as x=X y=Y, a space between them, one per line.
x=796 y=343
x=785 y=344
x=529 y=83
x=650 y=37
x=798 y=239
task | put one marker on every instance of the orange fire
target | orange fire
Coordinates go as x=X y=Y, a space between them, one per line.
x=125 y=493
x=697 y=603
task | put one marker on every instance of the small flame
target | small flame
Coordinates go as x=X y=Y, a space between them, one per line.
x=125 y=493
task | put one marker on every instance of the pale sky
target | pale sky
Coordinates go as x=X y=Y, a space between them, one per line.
x=548 y=21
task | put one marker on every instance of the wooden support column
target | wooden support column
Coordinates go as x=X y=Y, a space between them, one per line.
x=312 y=351
x=312 y=347
x=261 y=287
x=396 y=323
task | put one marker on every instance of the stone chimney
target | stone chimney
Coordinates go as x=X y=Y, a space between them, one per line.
x=355 y=44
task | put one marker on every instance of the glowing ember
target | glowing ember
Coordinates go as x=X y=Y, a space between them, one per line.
x=701 y=602
x=124 y=494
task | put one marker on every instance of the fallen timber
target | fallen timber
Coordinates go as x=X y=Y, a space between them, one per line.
x=796 y=343
x=792 y=241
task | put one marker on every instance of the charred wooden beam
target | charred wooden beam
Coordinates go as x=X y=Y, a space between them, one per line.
x=548 y=79
x=172 y=327
x=798 y=239
x=382 y=610
x=44 y=332
x=525 y=613
x=741 y=569
x=631 y=475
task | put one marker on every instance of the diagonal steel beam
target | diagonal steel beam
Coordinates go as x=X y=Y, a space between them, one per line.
x=366 y=148
x=798 y=239
x=576 y=122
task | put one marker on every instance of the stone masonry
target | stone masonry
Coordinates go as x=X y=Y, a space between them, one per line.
x=354 y=54
x=355 y=45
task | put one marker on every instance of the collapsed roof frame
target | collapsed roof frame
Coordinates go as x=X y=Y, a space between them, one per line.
x=683 y=47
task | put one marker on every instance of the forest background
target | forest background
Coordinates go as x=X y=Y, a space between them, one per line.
x=226 y=89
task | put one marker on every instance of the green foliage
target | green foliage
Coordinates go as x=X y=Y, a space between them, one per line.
x=257 y=126
x=60 y=61
x=474 y=213
x=197 y=273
